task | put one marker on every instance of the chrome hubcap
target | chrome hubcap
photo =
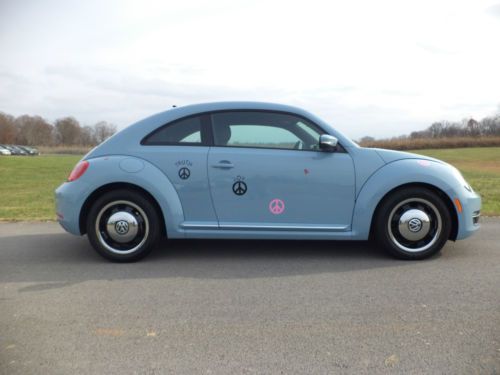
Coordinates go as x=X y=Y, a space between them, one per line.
x=414 y=225
x=122 y=227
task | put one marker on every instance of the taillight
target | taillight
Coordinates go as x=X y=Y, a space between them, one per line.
x=78 y=171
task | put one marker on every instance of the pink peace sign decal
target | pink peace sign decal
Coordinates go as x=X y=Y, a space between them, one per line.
x=276 y=206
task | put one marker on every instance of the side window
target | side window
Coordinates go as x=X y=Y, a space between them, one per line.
x=264 y=130
x=185 y=131
x=261 y=136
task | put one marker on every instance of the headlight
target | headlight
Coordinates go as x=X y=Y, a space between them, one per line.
x=462 y=180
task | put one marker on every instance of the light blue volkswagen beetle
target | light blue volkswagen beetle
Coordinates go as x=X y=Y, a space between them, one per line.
x=245 y=170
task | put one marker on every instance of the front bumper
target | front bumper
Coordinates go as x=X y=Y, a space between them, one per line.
x=468 y=219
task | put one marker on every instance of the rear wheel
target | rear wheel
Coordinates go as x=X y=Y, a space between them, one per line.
x=413 y=223
x=123 y=226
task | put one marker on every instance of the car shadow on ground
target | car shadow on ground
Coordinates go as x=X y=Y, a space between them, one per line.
x=61 y=260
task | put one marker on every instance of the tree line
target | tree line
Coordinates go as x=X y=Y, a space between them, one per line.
x=488 y=126
x=67 y=131
x=467 y=128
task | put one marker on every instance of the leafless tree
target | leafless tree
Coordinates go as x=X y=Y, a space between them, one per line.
x=473 y=127
x=103 y=131
x=33 y=130
x=87 y=136
x=68 y=131
x=8 y=129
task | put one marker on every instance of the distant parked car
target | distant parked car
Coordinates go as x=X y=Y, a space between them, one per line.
x=15 y=150
x=12 y=151
x=21 y=151
x=259 y=171
x=29 y=150
x=4 y=151
x=34 y=150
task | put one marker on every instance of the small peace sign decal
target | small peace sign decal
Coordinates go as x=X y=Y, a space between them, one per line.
x=276 y=206
x=184 y=173
x=239 y=188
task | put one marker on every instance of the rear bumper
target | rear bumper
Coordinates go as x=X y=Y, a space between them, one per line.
x=70 y=197
x=469 y=218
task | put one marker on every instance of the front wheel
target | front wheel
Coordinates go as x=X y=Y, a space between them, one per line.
x=123 y=226
x=413 y=223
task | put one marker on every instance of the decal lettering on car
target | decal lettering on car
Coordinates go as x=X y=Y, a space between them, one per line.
x=183 y=163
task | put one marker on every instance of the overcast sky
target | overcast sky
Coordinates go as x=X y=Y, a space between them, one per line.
x=378 y=68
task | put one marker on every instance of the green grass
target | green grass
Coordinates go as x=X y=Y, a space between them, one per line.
x=27 y=184
x=480 y=167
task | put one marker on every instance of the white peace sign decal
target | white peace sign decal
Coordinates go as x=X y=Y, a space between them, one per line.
x=276 y=206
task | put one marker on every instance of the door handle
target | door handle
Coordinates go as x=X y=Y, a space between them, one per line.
x=223 y=164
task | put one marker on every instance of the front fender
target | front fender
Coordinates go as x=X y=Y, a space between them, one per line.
x=398 y=173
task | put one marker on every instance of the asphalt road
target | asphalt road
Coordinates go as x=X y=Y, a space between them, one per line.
x=243 y=307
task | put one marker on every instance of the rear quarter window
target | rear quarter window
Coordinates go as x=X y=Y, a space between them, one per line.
x=181 y=132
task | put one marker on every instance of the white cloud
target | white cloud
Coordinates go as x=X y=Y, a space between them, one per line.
x=371 y=68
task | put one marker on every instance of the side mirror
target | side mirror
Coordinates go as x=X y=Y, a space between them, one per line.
x=328 y=143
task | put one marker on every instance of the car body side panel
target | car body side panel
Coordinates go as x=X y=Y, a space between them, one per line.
x=315 y=188
x=71 y=196
x=408 y=171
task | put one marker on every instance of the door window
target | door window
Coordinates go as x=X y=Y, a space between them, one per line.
x=264 y=130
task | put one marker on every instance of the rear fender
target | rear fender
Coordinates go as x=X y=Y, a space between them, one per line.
x=135 y=171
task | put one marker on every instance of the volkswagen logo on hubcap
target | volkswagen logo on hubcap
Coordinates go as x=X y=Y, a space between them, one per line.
x=414 y=225
x=121 y=227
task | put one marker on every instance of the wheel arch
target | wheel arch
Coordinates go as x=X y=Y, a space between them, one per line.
x=115 y=186
x=445 y=198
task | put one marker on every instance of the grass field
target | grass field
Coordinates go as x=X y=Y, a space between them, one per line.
x=27 y=183
x=481 y=168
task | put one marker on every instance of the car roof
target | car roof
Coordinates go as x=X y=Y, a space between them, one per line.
x=194 y=109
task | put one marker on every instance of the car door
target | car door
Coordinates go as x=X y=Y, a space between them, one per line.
x=180 y=150
x=266 y=172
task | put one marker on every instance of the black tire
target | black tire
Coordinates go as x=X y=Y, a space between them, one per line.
x=123 y=226
x=410 y=213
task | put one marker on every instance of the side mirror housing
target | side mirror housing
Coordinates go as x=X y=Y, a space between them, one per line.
x=328 y=143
